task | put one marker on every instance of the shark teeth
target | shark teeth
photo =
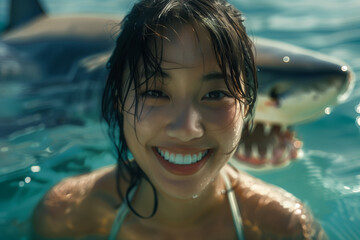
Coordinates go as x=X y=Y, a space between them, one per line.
x=283 y=128
x=269 y=145
x=241 y=149
x=255 y=151
x=269 y=152
x=181 y=159
x=267 y=129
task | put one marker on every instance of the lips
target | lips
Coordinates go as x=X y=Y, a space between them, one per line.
x=182 y=163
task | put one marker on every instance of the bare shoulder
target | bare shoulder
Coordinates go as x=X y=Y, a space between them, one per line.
x=271 y=212
x=78 y=206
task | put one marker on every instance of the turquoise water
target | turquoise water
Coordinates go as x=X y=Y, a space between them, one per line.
x=327 y=178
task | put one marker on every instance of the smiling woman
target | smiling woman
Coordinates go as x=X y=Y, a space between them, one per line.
x=191 y=113
x=180 y=92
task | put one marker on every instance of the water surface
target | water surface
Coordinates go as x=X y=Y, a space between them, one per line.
x=327 y=178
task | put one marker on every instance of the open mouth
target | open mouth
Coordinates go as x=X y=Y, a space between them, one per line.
x=269 y=146
x=182 y=163
x=181 y=159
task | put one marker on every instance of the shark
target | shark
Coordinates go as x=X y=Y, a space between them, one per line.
x=51 y=62
x=296 y=86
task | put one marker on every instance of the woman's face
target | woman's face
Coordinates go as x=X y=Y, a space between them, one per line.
x=188 y=123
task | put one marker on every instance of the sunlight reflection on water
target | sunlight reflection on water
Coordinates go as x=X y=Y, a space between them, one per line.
x=327 y=176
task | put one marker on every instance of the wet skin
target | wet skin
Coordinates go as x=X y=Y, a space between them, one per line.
x=190 y=113
x=86 y=206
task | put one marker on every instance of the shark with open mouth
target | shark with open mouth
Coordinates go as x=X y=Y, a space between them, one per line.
x=295 y=85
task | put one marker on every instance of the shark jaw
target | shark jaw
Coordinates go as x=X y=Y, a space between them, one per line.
x=182 y=163
x=269 y=146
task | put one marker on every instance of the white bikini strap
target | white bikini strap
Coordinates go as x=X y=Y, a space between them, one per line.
x=124 y=210
x=234 y=207
x=121 y=215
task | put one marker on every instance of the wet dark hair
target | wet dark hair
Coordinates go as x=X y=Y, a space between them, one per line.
x=136 y=46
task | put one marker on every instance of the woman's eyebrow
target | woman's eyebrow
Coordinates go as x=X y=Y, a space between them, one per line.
x=160 y=74
x=217 y=76
x=214 y=76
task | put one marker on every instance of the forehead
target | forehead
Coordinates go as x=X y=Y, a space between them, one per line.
x=187 y=46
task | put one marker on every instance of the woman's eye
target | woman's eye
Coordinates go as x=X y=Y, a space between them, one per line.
x=154 y=94
x=216 y=95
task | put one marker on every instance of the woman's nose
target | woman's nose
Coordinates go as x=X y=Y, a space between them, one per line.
x=186 y=124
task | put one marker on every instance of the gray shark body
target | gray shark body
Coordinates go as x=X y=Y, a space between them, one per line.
x=62 y=60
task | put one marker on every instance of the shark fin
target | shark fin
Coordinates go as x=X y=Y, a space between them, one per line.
x=23 y=11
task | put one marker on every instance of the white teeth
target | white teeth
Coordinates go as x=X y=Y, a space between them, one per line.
x=199 y=156
x=181 y=159
x=172 y=158
x=267 y=129
x=255 y=151
x=187 y=159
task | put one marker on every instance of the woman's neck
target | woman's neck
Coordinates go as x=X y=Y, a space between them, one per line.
x=181 y=212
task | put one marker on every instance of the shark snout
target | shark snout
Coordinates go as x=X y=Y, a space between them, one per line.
x=298 y=84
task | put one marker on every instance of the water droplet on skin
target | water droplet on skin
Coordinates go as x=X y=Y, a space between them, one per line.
x=298 y=211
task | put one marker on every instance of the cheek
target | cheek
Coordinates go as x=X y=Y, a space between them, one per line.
x=144 y=126
x=226 y=122
x=222 y=118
